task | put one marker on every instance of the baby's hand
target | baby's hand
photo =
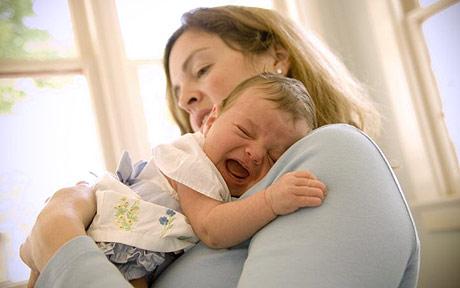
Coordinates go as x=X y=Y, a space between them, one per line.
x=295 y=190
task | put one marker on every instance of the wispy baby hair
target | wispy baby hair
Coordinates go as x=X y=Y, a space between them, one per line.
x=289 y=94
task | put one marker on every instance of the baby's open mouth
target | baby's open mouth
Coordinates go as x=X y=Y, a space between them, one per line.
x=236 y=169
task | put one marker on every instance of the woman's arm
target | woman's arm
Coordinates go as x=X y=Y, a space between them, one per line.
x=362 y=236
x=221 y=225
x=58 y=250
x=66 y=215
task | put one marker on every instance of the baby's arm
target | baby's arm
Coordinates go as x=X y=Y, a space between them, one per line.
x=222 y=225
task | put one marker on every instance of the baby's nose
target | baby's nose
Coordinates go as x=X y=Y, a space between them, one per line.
x=255 y=155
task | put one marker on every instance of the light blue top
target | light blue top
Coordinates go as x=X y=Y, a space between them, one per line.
x=362 y=236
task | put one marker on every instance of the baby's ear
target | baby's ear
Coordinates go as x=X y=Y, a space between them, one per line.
x=211 y=118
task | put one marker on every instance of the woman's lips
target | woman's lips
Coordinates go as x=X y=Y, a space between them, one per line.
x=200 y=117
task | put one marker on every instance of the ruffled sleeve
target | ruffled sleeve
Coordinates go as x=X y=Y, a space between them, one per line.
x=185 y=162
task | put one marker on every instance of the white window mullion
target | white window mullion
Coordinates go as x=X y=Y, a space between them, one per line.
x=429 y=103
x=20 y=68
x=117 y=103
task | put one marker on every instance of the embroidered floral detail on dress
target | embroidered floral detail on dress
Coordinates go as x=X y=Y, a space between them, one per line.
x=186 y=238
x=167 y=221
x=126 y=215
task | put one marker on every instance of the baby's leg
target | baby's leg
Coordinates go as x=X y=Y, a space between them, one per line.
x=140 y=283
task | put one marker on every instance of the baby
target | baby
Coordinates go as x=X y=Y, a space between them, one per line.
x=151 y=212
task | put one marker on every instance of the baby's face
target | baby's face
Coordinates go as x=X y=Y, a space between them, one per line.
x=246 y=140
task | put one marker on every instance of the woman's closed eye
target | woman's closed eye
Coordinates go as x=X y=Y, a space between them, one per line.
x=202 y=71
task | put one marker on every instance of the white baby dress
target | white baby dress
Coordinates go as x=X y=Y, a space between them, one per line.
x=138 y=219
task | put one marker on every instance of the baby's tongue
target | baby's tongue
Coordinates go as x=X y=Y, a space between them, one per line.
x=236 y=169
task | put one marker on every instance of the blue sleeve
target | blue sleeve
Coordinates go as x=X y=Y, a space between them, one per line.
x=80 y=263
x=362 y=236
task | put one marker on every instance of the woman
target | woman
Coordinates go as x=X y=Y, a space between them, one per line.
x=223 y=46
x=213 y=51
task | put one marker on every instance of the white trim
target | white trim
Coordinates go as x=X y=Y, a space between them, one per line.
x=422 y=161
x=8 y=284
x=441 y=202
x=420 y=14
x=374 y=39
x=442 y=215
x=112 y=80
x=24 y=68
x=428 y=100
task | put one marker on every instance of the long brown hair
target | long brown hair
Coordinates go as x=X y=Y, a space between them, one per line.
x=337 y=96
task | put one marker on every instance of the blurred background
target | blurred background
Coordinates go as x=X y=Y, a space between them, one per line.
x=82 y=80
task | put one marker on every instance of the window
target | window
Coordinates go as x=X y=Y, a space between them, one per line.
x=72 y=98
x=443 y=42
x=434 y=42
x=144 y=40
x=47 y=124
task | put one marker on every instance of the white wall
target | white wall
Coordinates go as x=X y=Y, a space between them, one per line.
x=440 y=241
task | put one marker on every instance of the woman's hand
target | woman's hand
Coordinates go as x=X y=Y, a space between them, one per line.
x=295 y=190
x=66 y=215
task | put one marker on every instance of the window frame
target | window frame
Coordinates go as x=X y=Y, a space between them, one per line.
x=426 y=95
x=111 y=79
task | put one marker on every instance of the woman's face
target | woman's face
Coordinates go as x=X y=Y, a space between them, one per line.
x=204 y=70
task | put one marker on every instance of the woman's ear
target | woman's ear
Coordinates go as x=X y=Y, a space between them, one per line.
x=282 y=63
x=211 y=119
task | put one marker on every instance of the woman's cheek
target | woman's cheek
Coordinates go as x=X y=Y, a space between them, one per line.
x=220 y=88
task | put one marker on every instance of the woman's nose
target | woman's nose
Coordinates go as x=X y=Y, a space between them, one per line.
x=188 y=99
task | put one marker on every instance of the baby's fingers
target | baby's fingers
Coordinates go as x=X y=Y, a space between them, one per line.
x=32 y=278
x=309 y=191
x=304 y=174
x=314 y=183
x=310 y=201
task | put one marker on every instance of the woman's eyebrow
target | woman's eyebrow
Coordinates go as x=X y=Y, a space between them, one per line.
x=186 y=66
x=189 y=59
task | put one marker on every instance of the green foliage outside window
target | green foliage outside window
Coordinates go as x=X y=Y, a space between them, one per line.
x=14 y=33
x=16 y=37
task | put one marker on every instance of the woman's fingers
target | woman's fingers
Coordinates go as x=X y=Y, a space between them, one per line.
x=25 y=254
x=32 y=278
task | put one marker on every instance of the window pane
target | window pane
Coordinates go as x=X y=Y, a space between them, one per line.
x=424 y=3
x=161 y=126
x=48 y=141
x=442 y=35
x=146 y=25
x=38 y=30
